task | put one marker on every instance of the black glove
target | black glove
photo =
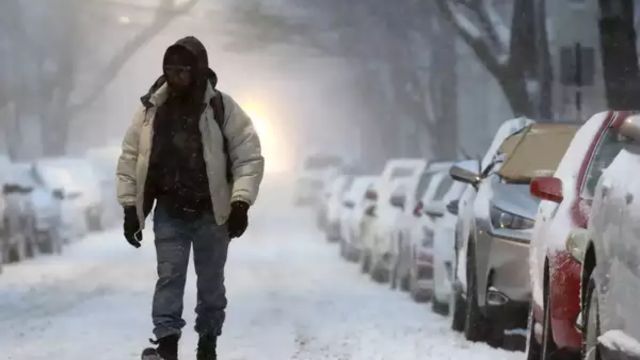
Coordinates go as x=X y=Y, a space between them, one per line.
x=132 y=226
x=238 y=219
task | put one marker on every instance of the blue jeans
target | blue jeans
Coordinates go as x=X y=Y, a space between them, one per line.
x=174 y=238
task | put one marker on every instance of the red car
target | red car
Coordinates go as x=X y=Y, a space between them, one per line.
x=555 y=275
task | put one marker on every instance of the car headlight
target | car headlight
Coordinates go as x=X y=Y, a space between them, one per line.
x=502 y=219
x=427 y=239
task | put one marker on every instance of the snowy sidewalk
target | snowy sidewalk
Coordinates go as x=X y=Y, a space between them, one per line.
x=291 y=297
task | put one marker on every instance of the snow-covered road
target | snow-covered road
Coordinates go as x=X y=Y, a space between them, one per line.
x=291 y=297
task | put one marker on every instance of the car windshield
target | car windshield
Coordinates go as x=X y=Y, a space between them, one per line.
x=423 y=184
x=401 y=172
x=535 y=152
x=443 y=188
x=609 y=147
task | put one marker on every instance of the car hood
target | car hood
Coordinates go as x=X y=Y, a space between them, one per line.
x=515 y=198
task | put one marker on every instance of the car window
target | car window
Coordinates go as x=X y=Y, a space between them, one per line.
x=401 y=172
x=443 y=188
x=423 y=184
x=609 y=147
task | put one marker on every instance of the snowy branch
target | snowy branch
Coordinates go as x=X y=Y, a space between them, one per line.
x=482 y=42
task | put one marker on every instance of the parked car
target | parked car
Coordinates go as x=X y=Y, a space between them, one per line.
x=565 y=207
x=316 y=171
x=334 y=204
x=498 y=289
x=74 y=184
x=104 y=162
x=463 y=223
x=42 y=208
x=397 y=181
x=355 y=204
x=609 y=254
x=444 y=215
x=411 y=257
x=18 y=240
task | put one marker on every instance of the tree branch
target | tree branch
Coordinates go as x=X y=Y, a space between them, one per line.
x=473 y=37
x=161 y=20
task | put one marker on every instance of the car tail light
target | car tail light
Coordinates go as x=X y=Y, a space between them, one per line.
x=417 y=211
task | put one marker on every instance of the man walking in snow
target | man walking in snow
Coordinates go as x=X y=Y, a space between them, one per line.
x=193 y=151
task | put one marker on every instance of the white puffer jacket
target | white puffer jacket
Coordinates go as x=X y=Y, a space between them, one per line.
x=243 y=146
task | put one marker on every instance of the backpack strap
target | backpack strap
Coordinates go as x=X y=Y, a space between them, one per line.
x=217 y=104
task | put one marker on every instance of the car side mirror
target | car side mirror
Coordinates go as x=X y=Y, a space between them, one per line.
x=465 y=176
x=10 y=189
x=547 y=188
x=453 y=207
x=398 y=201
x=434 y=211
x=58 y=194
x=371 y=211
x=630 y=128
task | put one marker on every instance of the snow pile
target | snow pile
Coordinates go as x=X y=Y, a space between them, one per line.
x=619 y=341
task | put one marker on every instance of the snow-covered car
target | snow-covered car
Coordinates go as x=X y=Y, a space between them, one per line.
x=334 y=202
x=75 y=183
x=104 y=161
x=565 y=207
x=394 y=196
x=498 y=289
x=42 y=208
x=381 y=216
x=609 y=254
x=316 y=172
x=355 y=204
x=411 y=267
x=463 y=223
x=445 y=215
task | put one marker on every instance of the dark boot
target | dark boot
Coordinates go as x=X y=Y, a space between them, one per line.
x=167 y=348
x=207 y=347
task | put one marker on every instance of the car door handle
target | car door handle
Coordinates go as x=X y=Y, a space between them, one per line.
x=629 y=198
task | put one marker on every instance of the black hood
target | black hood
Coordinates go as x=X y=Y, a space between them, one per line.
x=196 y=49
x=202 y=71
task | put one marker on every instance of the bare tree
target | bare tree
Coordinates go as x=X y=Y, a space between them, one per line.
x=514 y=54
x=45 y=65
x=619 y=54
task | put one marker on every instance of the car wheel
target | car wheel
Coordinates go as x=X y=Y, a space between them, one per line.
x=377 y=274
x=475 y=324
x=417 y=295
x=458 y=307
x=549 y=349
x=393 y=276
x=533 y=349
x=439 y=307
x=404 y=283
x=364 y=262
x=590 y=350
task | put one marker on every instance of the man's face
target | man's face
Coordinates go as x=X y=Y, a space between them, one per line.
x=178 y=72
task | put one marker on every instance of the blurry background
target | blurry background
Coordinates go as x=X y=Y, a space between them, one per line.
x=365 y=79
